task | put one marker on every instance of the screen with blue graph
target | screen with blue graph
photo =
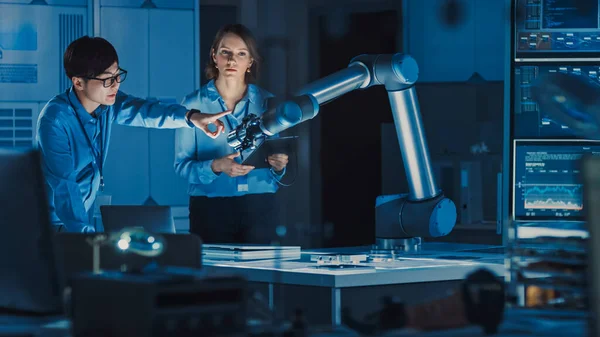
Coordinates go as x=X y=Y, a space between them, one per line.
x=557 y=27
x=547 y=182
x=531 y=122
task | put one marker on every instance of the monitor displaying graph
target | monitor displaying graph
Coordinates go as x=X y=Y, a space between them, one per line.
x=547 y=181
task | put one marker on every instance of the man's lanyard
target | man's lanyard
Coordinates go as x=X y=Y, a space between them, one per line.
x=96 y=154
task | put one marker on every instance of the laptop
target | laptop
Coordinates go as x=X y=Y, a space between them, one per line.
x=29 y=276
x=155 y=219
x=250 y=252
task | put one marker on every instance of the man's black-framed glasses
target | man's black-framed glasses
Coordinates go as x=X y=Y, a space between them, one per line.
x=109 y=81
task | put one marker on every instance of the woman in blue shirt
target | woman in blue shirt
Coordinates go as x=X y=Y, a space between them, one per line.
x=73 y=129
x=229 y=202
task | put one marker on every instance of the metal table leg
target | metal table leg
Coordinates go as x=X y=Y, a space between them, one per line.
x=271 y=297
x=336 y=307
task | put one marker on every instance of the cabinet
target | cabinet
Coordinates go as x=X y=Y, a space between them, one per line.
x=172 y=77
x=453 y=53
x=156 y=47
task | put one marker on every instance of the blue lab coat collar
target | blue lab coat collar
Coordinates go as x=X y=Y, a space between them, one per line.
x=252 y=93
x=83 y=115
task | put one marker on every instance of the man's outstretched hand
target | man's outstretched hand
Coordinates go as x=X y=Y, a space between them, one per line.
x=202 y=121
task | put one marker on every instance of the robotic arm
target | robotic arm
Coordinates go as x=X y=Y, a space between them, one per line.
x=424 y=211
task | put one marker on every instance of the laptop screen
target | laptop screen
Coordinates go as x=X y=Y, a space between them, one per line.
x=155 y=219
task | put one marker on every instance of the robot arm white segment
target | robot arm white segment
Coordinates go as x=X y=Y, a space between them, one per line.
x=413 y=145
x=328 y=88
x=289 y=113
x=395 y=72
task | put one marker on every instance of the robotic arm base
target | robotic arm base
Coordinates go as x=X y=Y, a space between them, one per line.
x=398 y=217
x=391 y=247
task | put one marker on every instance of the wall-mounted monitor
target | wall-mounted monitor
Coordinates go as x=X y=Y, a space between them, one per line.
x=546 y=182
x=557 y=29
x=529 y=121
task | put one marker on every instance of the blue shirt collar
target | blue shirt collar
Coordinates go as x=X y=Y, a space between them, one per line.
x=83 y=115
x=252 y=93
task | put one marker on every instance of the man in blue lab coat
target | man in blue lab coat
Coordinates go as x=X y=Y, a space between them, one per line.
x=73 y=129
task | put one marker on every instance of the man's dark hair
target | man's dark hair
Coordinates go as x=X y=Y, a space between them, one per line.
x=245 y=34
x=89 y=57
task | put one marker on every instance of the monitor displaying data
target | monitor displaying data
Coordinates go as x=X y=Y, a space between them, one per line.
x=557 y=28
x=546 y=178
x=529 y=120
